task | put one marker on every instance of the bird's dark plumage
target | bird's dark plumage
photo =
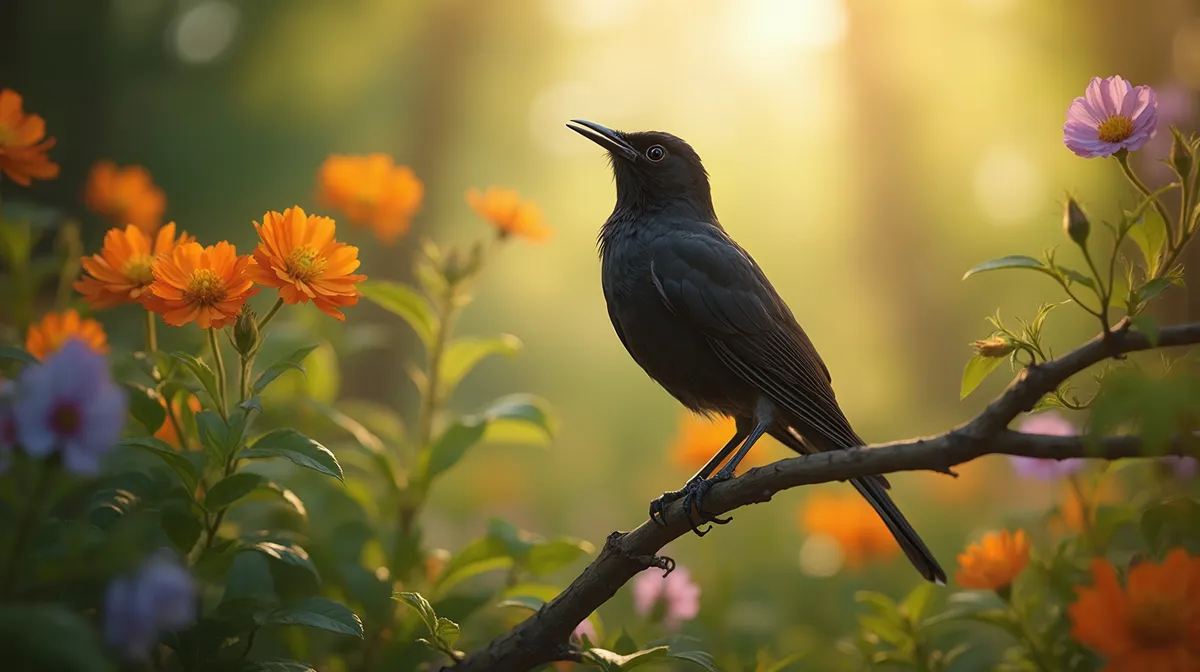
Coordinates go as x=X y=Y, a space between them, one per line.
x=701 y=318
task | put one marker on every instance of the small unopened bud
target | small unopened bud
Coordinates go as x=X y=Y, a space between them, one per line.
x=1181 y=154
x=1076 y=223
x=996 y=346
x=245 y=332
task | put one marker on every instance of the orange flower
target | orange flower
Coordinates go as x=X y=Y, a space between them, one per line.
x=1152 y=625
x=504 y=209
x=700 y=438
x=371 y=191
x=851 y=522
x=22 y=149
x=205 y=285
x=299 y=256
x=167 y=431
x=122 y=273
x=993 y=563
x=47 y=336
x=125 y=196
x=1070 y=518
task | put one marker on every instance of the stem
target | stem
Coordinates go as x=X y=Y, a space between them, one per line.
x=1103 y=293
x=270 y=314
x=245 y=379
x=1085 y=513
x=1123 y=160
x=27 y=525
x=1079 y=303
x=223 y=401
x=1035 y=648
x=151 y=335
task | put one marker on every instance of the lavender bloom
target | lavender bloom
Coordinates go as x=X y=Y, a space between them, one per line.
x=70 y=404
x=1111 y=116
x=159 y=596
x=1051 y=424
x=679 y=595
x=1183 y=467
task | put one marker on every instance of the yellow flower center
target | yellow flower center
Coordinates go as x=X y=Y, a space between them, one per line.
x=138 y=270
x=1116 y=128
x=303 y=264
x=1158 y=621
x=205 y=288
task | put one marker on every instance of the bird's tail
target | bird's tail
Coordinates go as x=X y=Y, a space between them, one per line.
x=918 y=554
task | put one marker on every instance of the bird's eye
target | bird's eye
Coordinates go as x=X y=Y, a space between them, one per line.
x=656 y=153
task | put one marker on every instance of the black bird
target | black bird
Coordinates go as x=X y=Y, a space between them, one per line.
x=700 y=317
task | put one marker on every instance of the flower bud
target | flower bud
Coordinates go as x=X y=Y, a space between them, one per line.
x=1181 y=154
x=1076 y=223
x=245 y=332
x=993 y=347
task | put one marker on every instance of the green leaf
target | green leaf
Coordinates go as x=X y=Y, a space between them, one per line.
x=290 y=554
x=292 y=361
x=530 y=602
x=479 y=556
x=1148 y=326
x=1154 y=288
x=460 y=436
x=447 y=631
x=403 y=301
x=232 y=488
x=214 y=436
x=14 y=354
x=464 y=354
x=552 y=555
x=421 y=605
x=202 y=373
x=178 y=463
x=1154 y=407
x=146 y=406
x=1149 y=234
x=214 y=562
x=275 y=666
x=607 y=660
x=320 y=613
x=1175 y=522
x=1011 y=261
x=1076 y=277
x=702 y=659
x=624 y=643
x=917 y=602
x=300 y=449
x=369 y=441
x=49 y=637
x=182 y=526
x=977 y=370
x=782 y=664
x=888 y=631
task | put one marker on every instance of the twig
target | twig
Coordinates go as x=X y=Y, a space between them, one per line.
x=541 y=638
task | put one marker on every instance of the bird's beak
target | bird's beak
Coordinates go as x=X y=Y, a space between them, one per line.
x=605 y=137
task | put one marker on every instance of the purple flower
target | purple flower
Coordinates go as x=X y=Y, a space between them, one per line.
x=678 y=594
x=70 y=404
x=159 y=596
x=1051 y=424
x=1183 y=467
x=1111 y=115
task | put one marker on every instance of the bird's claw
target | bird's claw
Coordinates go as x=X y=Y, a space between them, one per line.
x=692 y=493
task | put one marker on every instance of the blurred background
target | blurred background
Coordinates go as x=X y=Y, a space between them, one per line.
x=866 y=153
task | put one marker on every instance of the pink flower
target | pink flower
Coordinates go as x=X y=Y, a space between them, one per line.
x=679 y=596
x=1111 y=116
x=585 y=627
x=1051 y=424
x=1182 y=467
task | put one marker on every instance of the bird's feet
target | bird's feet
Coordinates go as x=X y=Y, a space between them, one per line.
x=692 y=493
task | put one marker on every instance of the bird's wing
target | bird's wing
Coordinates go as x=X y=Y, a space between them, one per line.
x=711 y=282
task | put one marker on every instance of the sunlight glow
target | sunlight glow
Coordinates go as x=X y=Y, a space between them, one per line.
x=771 y=28
x=821 y=556
x=1008 y=185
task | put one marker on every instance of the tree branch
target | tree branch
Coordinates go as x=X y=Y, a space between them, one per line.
x=542 y=637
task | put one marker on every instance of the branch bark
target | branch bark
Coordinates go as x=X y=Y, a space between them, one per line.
x=543 y=637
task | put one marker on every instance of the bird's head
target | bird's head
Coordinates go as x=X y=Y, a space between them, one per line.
x=652 y=168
